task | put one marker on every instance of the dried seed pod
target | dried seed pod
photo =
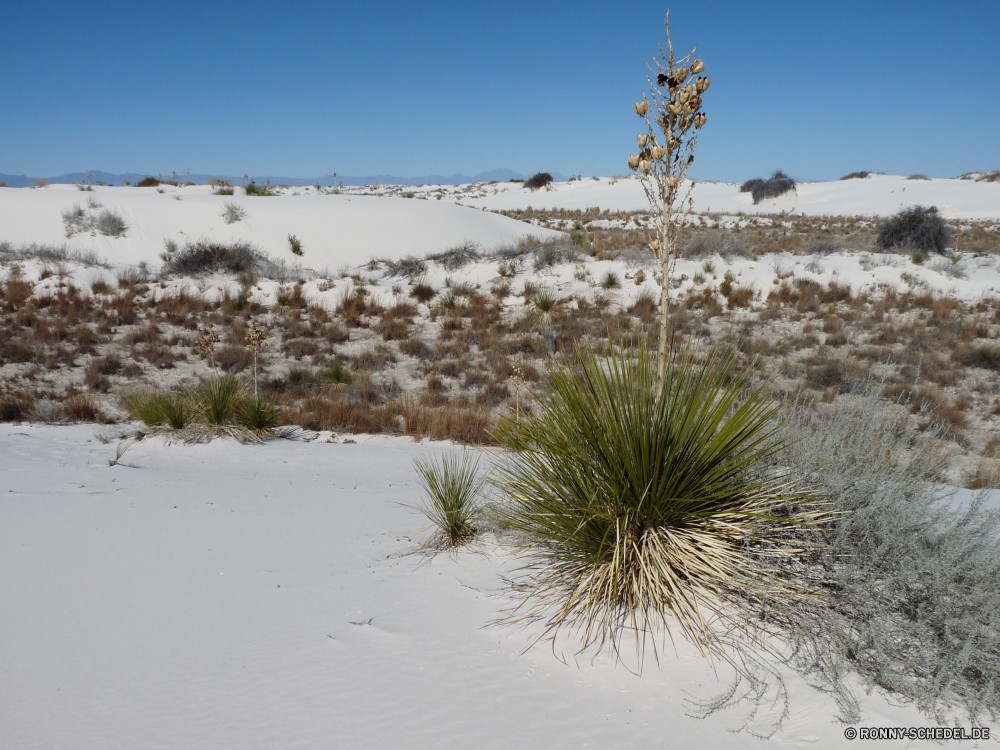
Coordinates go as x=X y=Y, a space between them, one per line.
x=658 y=152
x=672 y=181
x=641 y=108
x=673 y=143
x=680 y=74
x=645 y=165
x=643 y=139
x=661 y=79
x=702 y=84
x=699 y=119
x=692 y=106
x=654 y=245
x=674 y=107
x=697 y=66
x=633 y=161
x=684 y=123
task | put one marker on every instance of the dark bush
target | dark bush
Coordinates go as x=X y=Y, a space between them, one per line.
x=538 y=180
x=856 y=176
x=749 y=185
x=777 y=184
x=916 y=228
x=202 y=257
x=148 y=182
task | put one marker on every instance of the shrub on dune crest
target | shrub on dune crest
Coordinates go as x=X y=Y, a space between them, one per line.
x=643 y=511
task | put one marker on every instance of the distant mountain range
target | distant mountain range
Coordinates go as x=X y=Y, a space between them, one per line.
x=97 y=176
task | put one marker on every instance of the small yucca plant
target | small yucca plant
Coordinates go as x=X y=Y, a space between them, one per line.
x=258 y=415
x=159 y=409
x=220 y=400
x=454 y=490
x=644 y=511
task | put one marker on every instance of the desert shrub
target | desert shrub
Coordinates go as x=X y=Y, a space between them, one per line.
x=638 y=510
x=458 y=256
x=856 y=176
x=749 y=185
x=46 y=410
x=611 y=280
x=777 y=184
x=538 y=180
x=410 y=267
x=82 y=407
x=157 y=408
x=252 y=188
x=918 y=177
x=204 y=256
x=233 y=212
x=258 y=414
x=454 y=490
x=422 y=292
x=740 y=296
x=912 y=601
x=715 y=242
x=220 y=400
x=915 y=228
x=15 y=405
x=148 y=182
x=295 y=245
x=223 y=191
x=337 y=373
x=552 y=252
x=545 y=300
x=986 y=357
x=76 y=220
x=110 y=224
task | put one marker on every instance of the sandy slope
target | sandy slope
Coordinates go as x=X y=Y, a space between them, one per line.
x=334 y=229
x=208 y=599
x=879 y=195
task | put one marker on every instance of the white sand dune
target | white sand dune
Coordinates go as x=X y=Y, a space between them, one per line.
x=223 y=596
x=333 y=229
x=878 y=195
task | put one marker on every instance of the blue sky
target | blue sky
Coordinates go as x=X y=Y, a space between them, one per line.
x=300 y=89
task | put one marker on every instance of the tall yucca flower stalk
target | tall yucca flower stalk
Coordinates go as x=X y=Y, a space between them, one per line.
x=672 y=113
x=645 y=507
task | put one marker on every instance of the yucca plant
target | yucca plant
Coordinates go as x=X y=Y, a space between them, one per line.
x=159 y=409
x=643 y=512
x=258 y=415
x=674 y=108
x=220 y=400
x=454 y=489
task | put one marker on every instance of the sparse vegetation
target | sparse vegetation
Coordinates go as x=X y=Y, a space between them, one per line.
x=233 y=212
x=915 y=228
x=538 y=181
x=776 y=185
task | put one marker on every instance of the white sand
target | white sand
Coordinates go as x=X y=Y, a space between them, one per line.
x=334 y=229
x=206 y=598
x=878 y=195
